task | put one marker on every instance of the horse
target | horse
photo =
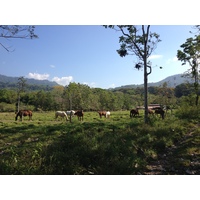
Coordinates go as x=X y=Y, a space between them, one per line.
x=134 y=112
x=79 y=114
x=70 y=112
x=102 y=113
x=24 y=113
x=150 y=111
x=108 y=114
x=61 y=114
x=161 y=112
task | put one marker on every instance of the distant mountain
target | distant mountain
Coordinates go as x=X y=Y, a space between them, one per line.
x=33 y=84
x=11 y=82
x=172 y=81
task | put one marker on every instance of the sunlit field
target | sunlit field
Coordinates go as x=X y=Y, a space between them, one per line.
x=115 y=145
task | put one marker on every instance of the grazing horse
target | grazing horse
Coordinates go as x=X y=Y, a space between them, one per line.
x=24 y=113
x=102 y=113
x=70 y=112
x=61 y=114
x=79 y=114
x=150 y=111
x=161 y=112
x=108 y=114
x=134 y=112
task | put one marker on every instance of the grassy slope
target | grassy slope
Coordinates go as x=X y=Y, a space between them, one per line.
x=118 y=145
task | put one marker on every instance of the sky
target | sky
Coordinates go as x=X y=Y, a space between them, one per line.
x=73 y=46
x=87 y=54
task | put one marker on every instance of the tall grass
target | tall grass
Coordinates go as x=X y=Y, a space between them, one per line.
x=118 y=145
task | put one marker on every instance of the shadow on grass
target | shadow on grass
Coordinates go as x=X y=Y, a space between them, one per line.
x=99 y=148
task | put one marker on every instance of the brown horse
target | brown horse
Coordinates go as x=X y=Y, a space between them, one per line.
x=102 y=113
x=150 y=111
x=24 y=113
x=134 y=112
x=106 y=114
x=79 y=114
x=161 y=112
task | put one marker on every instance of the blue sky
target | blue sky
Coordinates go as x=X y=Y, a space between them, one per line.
x=87 y=54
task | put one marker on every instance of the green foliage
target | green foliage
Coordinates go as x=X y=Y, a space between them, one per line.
x=5 y=107
x=190 y=54
x=188 y=112
x=118 y=145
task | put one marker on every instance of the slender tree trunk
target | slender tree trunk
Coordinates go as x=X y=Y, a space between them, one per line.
x=145 y=92
x=196 y=84
x=145 y=39
x=70 y=108
x=18 y=103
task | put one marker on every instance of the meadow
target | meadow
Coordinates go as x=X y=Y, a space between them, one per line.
x=98 y=146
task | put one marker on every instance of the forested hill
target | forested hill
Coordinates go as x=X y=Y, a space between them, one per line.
x=172 y=81
x=33 y=84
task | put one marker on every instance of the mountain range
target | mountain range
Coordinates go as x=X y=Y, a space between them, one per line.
x=11 y=82
x=172 y=81
x=30 y=81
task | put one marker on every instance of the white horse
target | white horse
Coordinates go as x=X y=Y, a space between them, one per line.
x=61 y=114
x=70 y=112
x=108 y=114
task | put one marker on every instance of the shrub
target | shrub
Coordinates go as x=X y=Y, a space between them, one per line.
x=5 y=107
x=188 y=112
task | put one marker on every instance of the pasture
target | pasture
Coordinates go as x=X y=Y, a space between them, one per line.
x=115 y=145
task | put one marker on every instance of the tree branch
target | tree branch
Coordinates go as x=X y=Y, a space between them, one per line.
x=4 y=47
x=131 y=38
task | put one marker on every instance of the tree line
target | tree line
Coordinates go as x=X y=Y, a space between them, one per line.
x=80 y=96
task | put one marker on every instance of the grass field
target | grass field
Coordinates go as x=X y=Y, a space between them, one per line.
x=118 y=145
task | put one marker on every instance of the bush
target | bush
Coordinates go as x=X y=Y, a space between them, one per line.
x=188 y=112
x=5 y=107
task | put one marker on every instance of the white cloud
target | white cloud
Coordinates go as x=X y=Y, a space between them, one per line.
x=112 y=86
x=174 y=59
x=171 y=60
x=92 y=84
x=155 y=57
x=63 y=80
x=38 y=76
x=52 y=66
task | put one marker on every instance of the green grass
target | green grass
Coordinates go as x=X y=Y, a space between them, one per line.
x=118 y=145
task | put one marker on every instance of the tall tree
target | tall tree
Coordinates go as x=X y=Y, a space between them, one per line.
x=20 y=32
x=141 y=42
x=21 y=84
x=191 y=54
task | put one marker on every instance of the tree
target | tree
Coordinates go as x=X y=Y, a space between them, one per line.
x=191 y=54
x=141 y=43
x=21 y=84
x=20 y=32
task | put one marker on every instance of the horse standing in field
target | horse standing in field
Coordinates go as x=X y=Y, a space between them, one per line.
x=106 y=114
x=61 y=114
x=79 y=114
x=150 y=111
x=24 y=113
x=134 y=112
x=70 y=112
x=102 y=113
x=161 y=112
